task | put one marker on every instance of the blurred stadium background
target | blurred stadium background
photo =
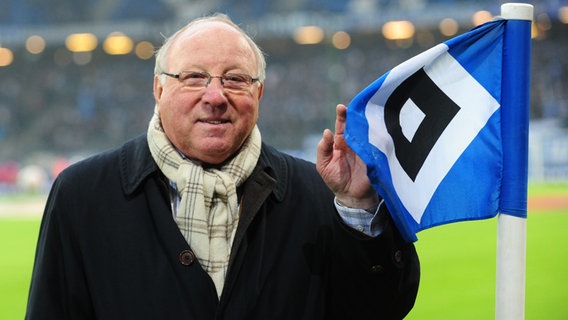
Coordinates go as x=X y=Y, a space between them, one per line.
x=76 y=76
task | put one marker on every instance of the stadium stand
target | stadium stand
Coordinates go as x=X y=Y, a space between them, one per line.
x=66 y=104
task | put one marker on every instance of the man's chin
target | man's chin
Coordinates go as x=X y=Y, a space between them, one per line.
x=214 y=154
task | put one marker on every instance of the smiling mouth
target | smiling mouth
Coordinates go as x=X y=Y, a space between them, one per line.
x=215 y=121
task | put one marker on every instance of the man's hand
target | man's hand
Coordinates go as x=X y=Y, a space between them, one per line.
x=342 y=170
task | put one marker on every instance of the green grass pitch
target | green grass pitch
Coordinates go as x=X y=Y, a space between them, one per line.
x=458 y=266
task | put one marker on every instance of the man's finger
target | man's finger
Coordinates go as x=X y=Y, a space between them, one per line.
x=341 y=116
x=325 y=147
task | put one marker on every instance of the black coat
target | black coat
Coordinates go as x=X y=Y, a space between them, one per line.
x=110 y=249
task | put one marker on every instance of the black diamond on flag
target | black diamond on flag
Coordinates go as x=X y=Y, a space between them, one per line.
x=439 y=110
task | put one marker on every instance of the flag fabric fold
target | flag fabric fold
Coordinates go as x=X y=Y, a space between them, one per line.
x=429 y=131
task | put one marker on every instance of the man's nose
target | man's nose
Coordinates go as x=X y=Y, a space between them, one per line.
x=214 y=92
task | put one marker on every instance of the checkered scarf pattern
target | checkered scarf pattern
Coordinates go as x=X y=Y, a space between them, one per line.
x=208 y=212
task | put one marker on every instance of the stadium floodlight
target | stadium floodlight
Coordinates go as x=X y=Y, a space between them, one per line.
x=480 y=17
x=563 y=14
x=448 y=27
x=341 y=40
x=398 y=30
x=144 y=50
x=117 y=43
x=6 y=57
x=81 y=42
x=309 y=35
x=35 y=44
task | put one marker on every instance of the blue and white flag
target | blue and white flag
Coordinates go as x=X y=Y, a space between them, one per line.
x=430 y=132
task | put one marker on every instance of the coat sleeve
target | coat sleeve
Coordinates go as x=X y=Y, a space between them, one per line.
x=366 y=277
x=57 y=291
x=383 y=270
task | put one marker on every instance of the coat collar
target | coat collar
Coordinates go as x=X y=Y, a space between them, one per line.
x=274 y=164
x=136 y=164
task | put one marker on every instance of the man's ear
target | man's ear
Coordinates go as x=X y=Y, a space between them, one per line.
x=158 y=88
x=260 y=90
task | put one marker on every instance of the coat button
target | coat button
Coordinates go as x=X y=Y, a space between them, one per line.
x=398 y=256
x=377 y=268
x=186 y=257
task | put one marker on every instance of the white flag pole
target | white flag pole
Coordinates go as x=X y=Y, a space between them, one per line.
x=511 y=260
x=511 y=240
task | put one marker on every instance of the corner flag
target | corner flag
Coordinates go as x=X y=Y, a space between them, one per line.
x=436 y=133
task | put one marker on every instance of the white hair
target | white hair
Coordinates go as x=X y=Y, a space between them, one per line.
x=162 y=52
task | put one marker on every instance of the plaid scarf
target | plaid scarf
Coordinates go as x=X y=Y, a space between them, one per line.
x=208 y=212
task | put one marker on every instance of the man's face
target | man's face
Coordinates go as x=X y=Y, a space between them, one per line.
x=208 y=124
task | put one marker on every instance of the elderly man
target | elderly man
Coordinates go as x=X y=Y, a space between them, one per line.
x=198 y=219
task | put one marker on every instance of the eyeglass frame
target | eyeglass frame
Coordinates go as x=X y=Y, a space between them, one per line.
x=210 y=77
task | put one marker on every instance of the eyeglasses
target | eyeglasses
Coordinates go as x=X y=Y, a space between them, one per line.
x=199 y=80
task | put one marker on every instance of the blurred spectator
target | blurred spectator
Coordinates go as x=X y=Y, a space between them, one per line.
x=49 y=103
